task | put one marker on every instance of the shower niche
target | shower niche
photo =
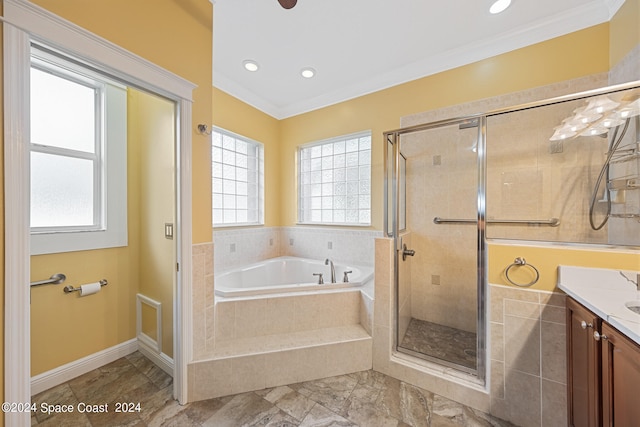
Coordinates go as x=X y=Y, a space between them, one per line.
x=560 y=170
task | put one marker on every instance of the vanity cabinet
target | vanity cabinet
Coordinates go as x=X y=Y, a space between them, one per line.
x=583 y=366
x=620 y=379
x=603 y=372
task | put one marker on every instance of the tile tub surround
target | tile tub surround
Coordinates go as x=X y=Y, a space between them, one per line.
x=340 y=244
x=202 y=296
x=270 y=341
x=239 y=246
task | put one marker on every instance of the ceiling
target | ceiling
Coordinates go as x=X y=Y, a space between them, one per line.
x=362 y=46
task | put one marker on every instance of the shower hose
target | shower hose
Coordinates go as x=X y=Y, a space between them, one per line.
x=615 y=142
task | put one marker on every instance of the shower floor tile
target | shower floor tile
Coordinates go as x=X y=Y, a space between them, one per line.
x=442 y=342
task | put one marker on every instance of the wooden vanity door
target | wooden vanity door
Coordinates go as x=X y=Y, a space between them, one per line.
x=620 y=379
x=583 y=366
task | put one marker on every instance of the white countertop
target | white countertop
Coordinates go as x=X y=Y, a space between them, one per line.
x=605 y=292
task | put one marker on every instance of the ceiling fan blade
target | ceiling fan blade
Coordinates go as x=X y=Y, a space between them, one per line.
x=287 y=4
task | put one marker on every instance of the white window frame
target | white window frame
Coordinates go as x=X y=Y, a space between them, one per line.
x=216 y=173
x=110 y=164
x=304 y=206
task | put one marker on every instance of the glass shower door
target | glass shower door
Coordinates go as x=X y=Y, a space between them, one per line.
x=439 y=268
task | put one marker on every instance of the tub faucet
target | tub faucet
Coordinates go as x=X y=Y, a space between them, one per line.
x=333 y=270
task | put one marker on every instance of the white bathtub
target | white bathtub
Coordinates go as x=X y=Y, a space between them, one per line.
x=286 y=274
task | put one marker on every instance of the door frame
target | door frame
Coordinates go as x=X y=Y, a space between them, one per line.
x=393 y=213
x=26 y=22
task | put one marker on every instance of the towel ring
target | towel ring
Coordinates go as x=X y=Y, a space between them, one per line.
x=521 y=262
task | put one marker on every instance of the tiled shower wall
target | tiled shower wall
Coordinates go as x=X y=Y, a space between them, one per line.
x=625 y=231
x=235 y=247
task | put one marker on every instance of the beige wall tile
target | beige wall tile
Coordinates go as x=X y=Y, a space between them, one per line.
x=280 y=315
x=225 y=313
x=497 y=341
x=522 y=397
x=554 y=403
x=248 y=373
x=530 y=310
x=282 y=368
x=553 y=298
x=551 y=313
x=250 y=318
x=554 y=349
x=522 y=344
x=497 y=379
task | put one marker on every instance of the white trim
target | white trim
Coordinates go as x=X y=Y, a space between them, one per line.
x=182 y=297
x=587 y=15
x=110 y=192
x=144 y=338
x=613 y=6
x=159 y=359
x=71 y=370
x=17 y=321
x=55 y=31
x=47 y=28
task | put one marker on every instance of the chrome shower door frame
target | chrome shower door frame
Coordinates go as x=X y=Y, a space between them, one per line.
x=392 y=186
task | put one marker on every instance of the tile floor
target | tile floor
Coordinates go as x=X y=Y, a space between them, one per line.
x=365 y=398
x=442 y=342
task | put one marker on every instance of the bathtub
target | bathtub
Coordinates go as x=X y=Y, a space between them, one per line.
x=286 y=274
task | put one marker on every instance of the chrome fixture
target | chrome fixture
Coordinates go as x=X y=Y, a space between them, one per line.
x=407 y=252
x=345 y=279
x=320 y=279
x=521 y=262
x=56 y=279
x=553 y=222
x=68 y=289
x=333 y=270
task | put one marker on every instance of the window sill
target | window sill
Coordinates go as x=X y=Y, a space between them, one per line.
x=334 y=224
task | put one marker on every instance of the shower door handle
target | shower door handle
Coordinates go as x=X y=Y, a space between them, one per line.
x=407 y=252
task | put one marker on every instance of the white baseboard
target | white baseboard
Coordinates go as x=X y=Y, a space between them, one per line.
x=64 y=373
x=161 y=360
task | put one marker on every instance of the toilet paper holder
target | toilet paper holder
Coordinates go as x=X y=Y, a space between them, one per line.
x=68 y=289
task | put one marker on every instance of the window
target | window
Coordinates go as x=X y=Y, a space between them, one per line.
x=78 y=157
x=238 y=179
x=335 y=181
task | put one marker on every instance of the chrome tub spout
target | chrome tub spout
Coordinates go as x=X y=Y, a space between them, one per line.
x=333 y=270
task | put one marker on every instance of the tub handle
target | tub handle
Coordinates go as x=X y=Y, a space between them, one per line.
x=346 y=277
x=320 y=279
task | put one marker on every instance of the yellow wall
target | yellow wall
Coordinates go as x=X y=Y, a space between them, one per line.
x=152 y=133
x=176 y=35
x=625 y=31
x=575 y=55
x=236 y=116
x=547 y=259
x=65 y=327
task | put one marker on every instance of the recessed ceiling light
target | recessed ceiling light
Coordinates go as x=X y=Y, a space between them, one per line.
x=499 y=6
x=250 y=65
x=308 y=72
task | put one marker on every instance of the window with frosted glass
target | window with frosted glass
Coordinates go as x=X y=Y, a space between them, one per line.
x=237 y=179
x=65 y=152
x=335 y=181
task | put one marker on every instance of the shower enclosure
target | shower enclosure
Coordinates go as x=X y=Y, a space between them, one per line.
x=436 y=193
x=561 y=170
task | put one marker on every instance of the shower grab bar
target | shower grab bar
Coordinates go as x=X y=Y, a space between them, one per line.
x=553 y=222
x=56 y=279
